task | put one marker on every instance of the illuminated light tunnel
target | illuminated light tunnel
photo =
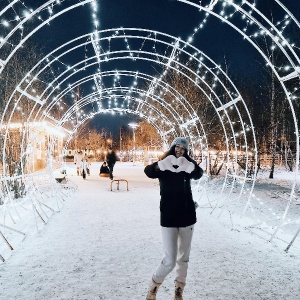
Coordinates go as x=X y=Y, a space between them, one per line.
x=142 y=87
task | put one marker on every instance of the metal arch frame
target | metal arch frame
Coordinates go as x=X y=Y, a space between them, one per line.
x=274 y=70
x=219 y=69
x=88 y=99
x=140 y=58
x=109 y=110
x=156 y=40
x=202 y=64
x=276 y=41
x=296 y=70
x=40 y=26
x=227 y=139
x=208 y=10
x=50 y=84
x=88 y=78
x=232 y=128
x=130 y=74
x=121 y=73
x=82 y=102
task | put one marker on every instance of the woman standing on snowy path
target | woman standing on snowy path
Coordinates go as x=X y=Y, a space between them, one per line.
x=177 y=213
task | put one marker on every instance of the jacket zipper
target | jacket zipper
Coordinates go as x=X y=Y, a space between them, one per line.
x=184 y=191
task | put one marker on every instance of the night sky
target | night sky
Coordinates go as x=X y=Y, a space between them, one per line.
x=216 y=39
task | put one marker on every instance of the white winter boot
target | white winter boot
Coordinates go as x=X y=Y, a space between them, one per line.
x=179 y=286
x=152 y=291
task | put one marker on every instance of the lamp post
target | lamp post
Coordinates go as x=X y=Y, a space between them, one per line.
x=133 y=126
x=120 y=138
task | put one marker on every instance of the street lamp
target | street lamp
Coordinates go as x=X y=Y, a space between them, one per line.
x=120 y=138
x=133 y=126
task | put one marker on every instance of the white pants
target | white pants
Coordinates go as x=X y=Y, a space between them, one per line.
x=177 y=247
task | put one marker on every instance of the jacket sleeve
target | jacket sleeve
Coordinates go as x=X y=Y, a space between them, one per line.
x=151 y=171
x=197 y=173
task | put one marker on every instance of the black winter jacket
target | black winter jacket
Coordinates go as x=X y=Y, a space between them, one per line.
x=177 y=208
x=111 y=159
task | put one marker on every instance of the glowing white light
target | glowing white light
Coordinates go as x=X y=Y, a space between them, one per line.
x=26 y=13
x=5 y=23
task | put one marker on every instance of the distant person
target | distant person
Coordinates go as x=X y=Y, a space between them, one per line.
x=104 y=170
x=175 y=169
x=111 y=159
x=77 y=160
x=84 y=167
x=88 y=168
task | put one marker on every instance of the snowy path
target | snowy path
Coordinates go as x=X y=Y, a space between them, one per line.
x=105 y=245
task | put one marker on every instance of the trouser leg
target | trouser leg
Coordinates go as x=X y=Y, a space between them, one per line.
x=184 y=248
x=111 y=169
x=169 y=237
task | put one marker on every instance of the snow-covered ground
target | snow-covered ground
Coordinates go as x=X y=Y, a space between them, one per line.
x=105 y=245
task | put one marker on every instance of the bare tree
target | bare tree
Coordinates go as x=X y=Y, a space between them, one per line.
x=89 y=139
x=11 y=76
x=147 y=136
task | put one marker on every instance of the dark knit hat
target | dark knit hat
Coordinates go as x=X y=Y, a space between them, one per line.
x=181 y=141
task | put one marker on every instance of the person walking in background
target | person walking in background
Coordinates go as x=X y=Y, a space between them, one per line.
x=77 y=161
x=88 y=168
x=111 y=159
x=84 y=166
x=175 y=169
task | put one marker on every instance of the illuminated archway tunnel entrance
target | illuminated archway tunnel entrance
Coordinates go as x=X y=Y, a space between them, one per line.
x=178 y=85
